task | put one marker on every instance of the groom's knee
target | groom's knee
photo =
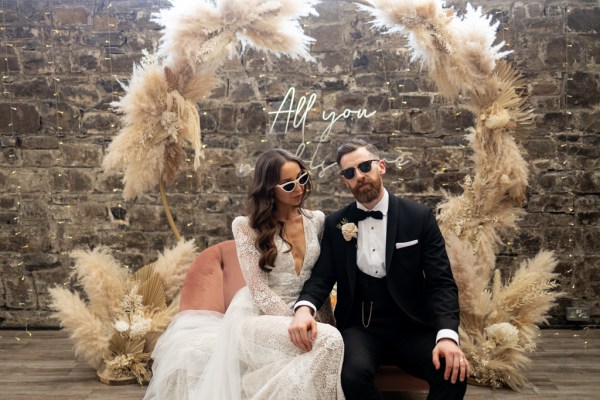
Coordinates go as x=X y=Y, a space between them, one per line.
x=357 y=378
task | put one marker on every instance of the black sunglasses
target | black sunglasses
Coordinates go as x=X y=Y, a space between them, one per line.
x=364 y=167
x=291 y=185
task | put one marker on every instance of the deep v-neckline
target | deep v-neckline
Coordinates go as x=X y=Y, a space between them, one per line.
x=291 y=253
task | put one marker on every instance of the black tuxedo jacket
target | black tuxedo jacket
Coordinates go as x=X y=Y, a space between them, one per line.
x=419 y=276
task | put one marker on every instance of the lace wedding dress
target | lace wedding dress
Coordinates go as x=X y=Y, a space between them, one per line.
x=247 y=353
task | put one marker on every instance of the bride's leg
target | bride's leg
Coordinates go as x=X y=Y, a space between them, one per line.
x=273 y=368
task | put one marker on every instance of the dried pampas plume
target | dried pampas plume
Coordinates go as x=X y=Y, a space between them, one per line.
x=116 y=327
x=498 y=319
x=159 y=106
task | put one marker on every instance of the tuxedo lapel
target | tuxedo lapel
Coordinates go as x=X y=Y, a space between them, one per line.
x=351 y=250
x=392 y=228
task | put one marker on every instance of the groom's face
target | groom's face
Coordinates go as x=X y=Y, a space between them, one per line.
x=365 y=186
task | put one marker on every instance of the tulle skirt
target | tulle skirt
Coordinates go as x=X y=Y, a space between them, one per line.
x=243 y=355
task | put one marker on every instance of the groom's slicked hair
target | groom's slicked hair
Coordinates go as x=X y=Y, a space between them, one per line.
x=355 y=144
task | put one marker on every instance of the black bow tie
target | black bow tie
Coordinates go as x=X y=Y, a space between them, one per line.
x=362 y=214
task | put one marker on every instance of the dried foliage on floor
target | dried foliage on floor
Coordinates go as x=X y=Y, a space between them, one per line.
x=499 y=318
x=116 y=326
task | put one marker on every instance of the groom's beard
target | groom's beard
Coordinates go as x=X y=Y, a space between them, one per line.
x=367 y=190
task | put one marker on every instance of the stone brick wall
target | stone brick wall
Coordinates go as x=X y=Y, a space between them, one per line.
x=61 y=61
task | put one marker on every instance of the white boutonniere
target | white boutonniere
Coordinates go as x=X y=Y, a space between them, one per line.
x=349 y=229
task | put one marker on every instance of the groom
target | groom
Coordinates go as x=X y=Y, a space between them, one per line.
x=397 y=299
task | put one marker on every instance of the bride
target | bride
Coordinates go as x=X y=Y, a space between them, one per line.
x=247 y=353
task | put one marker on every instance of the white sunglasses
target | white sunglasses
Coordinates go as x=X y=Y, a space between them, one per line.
x=290 y=186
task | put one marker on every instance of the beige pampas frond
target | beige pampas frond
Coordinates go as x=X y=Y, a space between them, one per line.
x=156 y=119
x=530 y=293
x=103 y=280
x=172 y=266
x=89 y=333
x=498 y=319
x=269 y=26
x=459 y=52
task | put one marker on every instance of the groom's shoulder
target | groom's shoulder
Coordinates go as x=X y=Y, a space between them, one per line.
x=411 y=205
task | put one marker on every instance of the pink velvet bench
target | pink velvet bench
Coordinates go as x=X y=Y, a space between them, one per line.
x=215 y=276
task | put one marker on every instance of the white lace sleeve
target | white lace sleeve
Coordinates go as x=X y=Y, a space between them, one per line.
x=320 y=222
x=256 y=279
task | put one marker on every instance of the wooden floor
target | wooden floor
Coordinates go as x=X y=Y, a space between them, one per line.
x=41 y=365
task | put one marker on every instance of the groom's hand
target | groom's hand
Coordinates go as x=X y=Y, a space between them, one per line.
x=303 y=328
x=457 y=366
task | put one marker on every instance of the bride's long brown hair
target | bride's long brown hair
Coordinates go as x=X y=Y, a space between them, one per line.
x=261 y=203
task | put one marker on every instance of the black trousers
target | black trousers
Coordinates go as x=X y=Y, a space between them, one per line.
x=391 y=338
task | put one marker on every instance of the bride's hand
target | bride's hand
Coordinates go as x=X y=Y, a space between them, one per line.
x=303 y=329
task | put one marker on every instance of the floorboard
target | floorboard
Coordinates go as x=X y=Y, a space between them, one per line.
x=41 y=365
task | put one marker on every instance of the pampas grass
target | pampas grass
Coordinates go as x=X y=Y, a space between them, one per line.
x=499 y=318
x=115 y=330
x=159 y=107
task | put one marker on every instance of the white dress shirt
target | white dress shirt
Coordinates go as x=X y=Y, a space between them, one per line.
x=370 y=244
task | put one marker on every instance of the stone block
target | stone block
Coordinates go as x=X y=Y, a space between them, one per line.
x=100 y=122
x=454 y=119
x=41 y=261
x=412 y=101
x=385 y=124
x=556 y=182
x=555 y=52
x=10 y=157
x=545 y=87
x=30 y=180
x=590 y=122
x=19 y=291
x=119 y=63
x=591 y=237
x=227 y=118
x=81 y=155
x=71 y=180
x=79 y=94
x=20 y=118
x=423 y=123
x=587 y=182
x=563 y=240
x=45 y=279
x=554 y=121
x=583 y=89
x=582 y=20
x=334 y=62
x=540 y=148
x=243 y=91
x=550 y=203
x=587 y=209
x=38 y=142
x=327 y=37
x=449 y=181
x=252 y=119
x=37 y=88
x=70 y=16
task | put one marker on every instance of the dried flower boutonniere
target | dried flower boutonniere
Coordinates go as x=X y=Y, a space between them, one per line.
x=349 y=229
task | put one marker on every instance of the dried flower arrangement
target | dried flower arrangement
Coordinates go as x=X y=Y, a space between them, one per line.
x=159 y=105
x=116 y=329
x=499 y=320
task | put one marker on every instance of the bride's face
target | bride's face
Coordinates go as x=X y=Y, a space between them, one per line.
x=290 y=175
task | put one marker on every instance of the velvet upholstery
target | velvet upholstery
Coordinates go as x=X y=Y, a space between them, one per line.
x=213 y=279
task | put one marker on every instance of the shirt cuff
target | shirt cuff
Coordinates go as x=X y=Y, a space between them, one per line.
x=305 y=303
x=446 y=334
